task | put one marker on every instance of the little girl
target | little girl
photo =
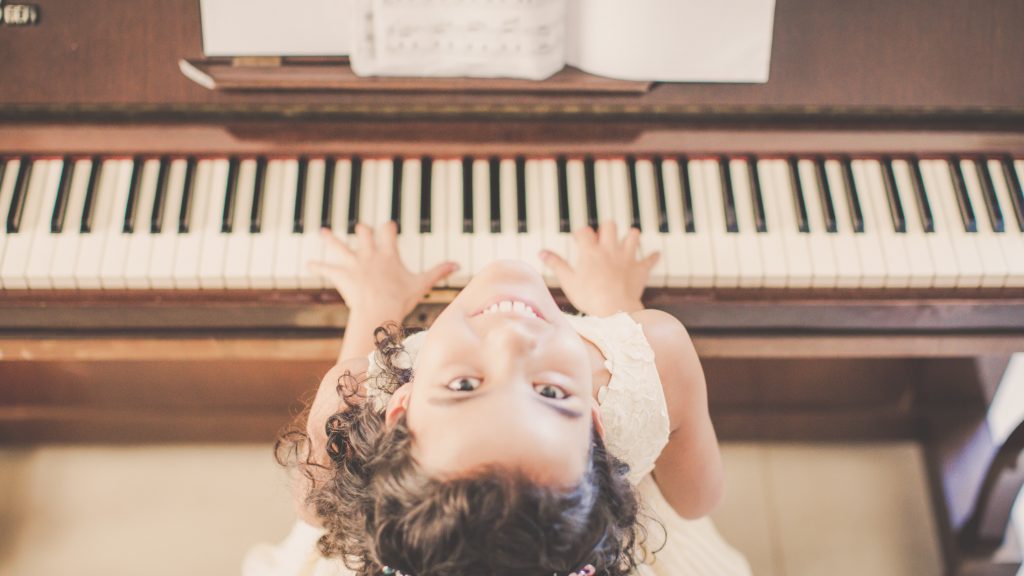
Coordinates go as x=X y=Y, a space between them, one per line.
x=509 y=438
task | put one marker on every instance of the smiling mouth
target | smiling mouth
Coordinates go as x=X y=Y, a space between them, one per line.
x=511 y=306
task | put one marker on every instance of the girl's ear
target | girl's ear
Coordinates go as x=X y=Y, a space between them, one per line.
x=595 y=410
x=397 y=405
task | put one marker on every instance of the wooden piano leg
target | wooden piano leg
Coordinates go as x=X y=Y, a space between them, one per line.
x=975 y=480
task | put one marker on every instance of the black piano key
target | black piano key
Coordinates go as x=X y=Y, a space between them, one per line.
x=659 y=195
x=899 y=222
x=230 y=194
x=327 y=203
x=960 y=192
x=825 y=192
x=495 y=180
x=728 y=199
x=995 y=212
x=185 y=214
x=634 y=193
x=396 y=192
x=132 y=208
x=467 y=195
x=852 y=197
x=757 y=200
x=89 y=206
x=17 y=206
x=797 y=188
x=1016 y=195
x=60 y=207
x=521 y=219
x=258 y=194
x=426 y=194
x=563 y=196
x=686 y=186
x=156 y=220
x=924 y=207
x=299 y=213
x=354 y=189
x=590 y=184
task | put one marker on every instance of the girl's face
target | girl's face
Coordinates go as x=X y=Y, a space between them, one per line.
x=501 y=388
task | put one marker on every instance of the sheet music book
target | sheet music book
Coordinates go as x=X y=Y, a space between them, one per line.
x=660 y=40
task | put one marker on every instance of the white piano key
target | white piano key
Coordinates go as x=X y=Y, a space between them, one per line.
x=748 y=249
x=213 y=241
x=617 y=177
x=872 y=253
x=506 y=243
x=919 y=255
x=851 y=270
x=554 y=240
x=43 y=241
x=310 y=240
x=140 y=242
x=383 y=189
x=532 y=242
x=10 y=178
x=893 y=244
x=368 y=194
x=940 y=242
x=778 y=244
x=340 y=206
x=274 y=211
x=434 y=243
x=459 y=242
x=410 y=243
x=288 y=264
x=65 y=253
x=112 y=242
x=651 y=238
x=707 y=188
x=699 y=249
x=577 y=189
x=1012 y=239
x=606 y=209
x=799 y=264
x=994 y=267
x=240 y=240
x=188 y=253
x=940 y=186
x=165 y=243
x=482 y=244
x=820 y=242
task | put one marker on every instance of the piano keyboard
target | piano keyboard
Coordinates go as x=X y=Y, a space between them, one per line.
x=723 y=222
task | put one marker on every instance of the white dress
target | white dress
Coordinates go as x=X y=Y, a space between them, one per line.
x=636 y=423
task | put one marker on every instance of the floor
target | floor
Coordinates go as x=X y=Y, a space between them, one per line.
x=793 y=509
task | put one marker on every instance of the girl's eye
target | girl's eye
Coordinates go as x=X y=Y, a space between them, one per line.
x=464 y=384
x=550 y=391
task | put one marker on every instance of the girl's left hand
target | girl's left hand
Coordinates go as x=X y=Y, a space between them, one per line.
x=371 y=278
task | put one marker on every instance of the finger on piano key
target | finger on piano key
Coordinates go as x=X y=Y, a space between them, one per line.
x=820 y=242
x=482 y=245
x=676 y=179
x=140 y=240
x=38 y=230
x=532 y=239
x=651 y=237
x=919 y=256
x=779 y=226
x=434 y=236
x=986 y=237
x=410 y=242
x=1012 y=238
x=706 y=179
x=65 y=252
x=579 y=211
x=554 y=201
x=748 y=248
x=165 y=239
x=948 y=224
x=240 y=239
x=459 y=200
x=288 y=265
x=892 y=244
x=506 y=241
x=851 y=270
x=114 y=236
x=8 y=180
x=316 y=191
x=192 y=221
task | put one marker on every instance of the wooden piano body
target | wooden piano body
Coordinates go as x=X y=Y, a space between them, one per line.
x=874 y=80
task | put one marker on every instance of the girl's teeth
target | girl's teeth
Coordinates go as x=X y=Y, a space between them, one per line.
x=509 y=306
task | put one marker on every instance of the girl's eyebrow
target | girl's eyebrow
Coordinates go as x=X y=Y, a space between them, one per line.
x=452 y=400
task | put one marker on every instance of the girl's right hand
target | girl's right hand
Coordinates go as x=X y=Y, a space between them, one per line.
x=608 y=277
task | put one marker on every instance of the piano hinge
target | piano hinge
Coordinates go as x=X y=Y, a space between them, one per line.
x=256 y=61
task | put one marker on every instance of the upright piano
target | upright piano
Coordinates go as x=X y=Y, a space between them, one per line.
x=844 y=242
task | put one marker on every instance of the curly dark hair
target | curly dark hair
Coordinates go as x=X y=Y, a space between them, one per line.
x=379 y=508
